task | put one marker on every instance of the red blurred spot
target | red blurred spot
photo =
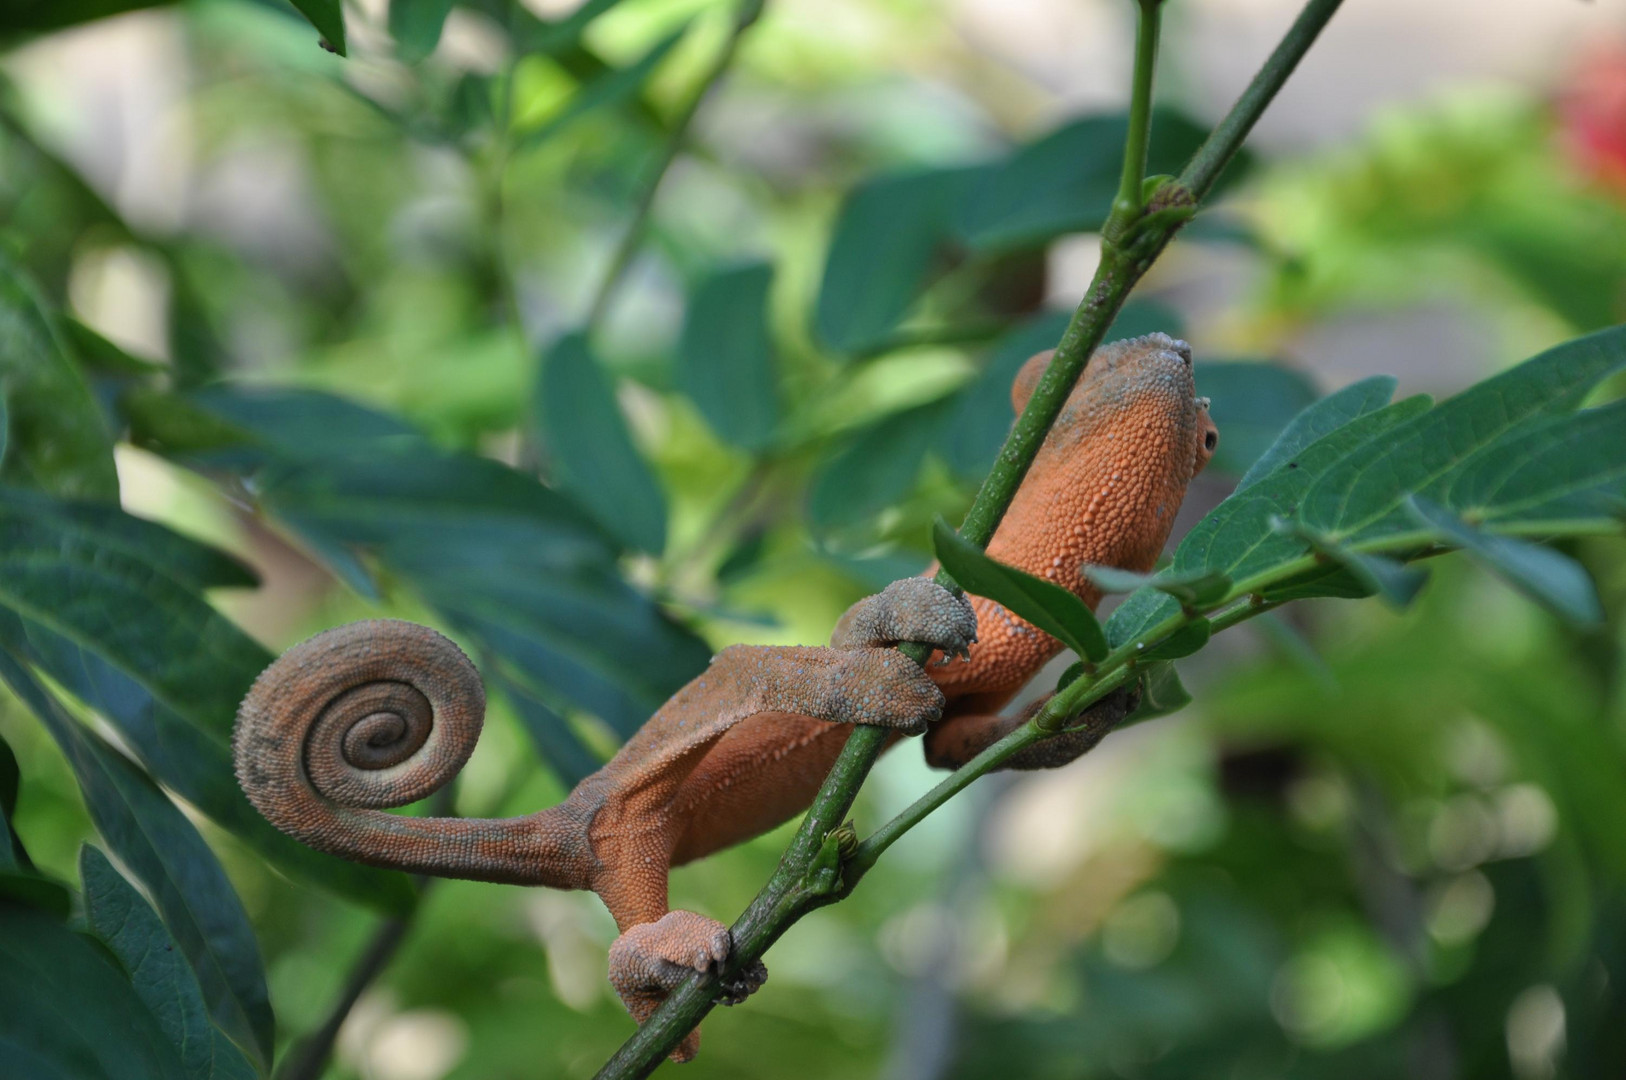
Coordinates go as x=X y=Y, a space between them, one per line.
x=1592 y=115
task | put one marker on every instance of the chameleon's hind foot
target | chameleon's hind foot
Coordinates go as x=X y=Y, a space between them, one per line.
x=913 y=609
x=652 y=959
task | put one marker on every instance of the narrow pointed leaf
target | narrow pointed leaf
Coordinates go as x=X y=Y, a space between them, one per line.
x=416 y=25
x=1183 y=642
x=67 y=1011
x=559 y=747
x=57 y=440
x=1161 y=693
x=1046 y=605
x=591 y=450
x=1548 y=577
x=877 y=469
x=120 y=917
x=1193 y=588
x=1397 y=583
x=726 y=357
x=328 y=18
x=164 y=851
x=610 y=88
x=1322 y=418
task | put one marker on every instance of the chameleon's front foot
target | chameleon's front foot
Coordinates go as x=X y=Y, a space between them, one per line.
x=913 y=609
x=652 y=959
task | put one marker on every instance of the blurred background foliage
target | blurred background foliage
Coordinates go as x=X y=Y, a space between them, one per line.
x=336 y=316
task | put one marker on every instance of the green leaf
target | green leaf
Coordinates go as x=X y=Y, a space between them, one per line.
x=328 y=18
x=611 y=87
x=1161 y=693
x=591 y=450
x=889 y=233
x=556 y=742
x=1548 y=577
x=117 y=914
x=5 y=428
x=1064 y=182
x=1363 y=495
x=100 y=356
x=67 y=1011
x=1395 y=582
x=1238 y=538
x=1047 y=606
x=1194 y=588
x=1554 y=469
x=57 y=439
x=514 y=566
x=875 y=470
x=1183 y=642
x=1251 y=404
x=1323 y=417
x=32 y=889
x=12 y=855
x=555 y=36
x=725 y=358
x=34 y=16
x=165 y=853
x=975 y=429
x=194 y=763
x=415 y=25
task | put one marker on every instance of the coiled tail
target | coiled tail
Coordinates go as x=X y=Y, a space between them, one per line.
x=378 y=714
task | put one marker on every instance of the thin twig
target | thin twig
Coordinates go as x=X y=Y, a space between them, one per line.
x=632 y=238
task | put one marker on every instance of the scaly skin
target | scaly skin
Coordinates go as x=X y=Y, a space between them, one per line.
x=382 y=713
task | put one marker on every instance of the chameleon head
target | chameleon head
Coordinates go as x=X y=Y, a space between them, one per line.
x=1114 y=469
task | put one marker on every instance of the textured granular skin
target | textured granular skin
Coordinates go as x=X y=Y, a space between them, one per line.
x=381 y=713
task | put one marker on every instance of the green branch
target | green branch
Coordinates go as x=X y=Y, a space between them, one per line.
x=809 y=874
x=1131 y=198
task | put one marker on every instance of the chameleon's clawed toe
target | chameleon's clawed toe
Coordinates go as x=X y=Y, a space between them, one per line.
x=743 y=983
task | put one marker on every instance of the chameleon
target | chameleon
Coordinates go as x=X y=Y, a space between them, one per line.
x=380 y=713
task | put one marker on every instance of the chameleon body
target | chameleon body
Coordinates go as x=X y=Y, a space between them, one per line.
x=378 y=714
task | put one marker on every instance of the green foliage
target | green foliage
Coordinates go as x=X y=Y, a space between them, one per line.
x=55 y=434
x=67 y=1010
x=116 y=913
x=1045 y=604
x=591 y=451
x=354 y=418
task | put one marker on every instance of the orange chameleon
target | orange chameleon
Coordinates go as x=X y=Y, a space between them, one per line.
x=382 y=713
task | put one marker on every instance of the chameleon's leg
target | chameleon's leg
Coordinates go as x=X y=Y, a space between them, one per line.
x=913 y=609
x=958 y=739
x=652 y=959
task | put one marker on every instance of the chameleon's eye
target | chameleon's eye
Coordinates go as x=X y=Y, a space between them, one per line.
x=1210 y=440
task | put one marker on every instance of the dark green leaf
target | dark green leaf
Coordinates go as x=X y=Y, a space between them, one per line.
x=68 y=1013
x=1330 y=413
x=12 y=856
x=1161 y=693
x=612 y=87
x=1551 y=470
x=34 y=890
x=1251 y=404
x=726 y=359
x=117 y=914
x=590 y=449
x=1183 y=642
x=1238 y=539
x=165 y=853
x=1046 y=605
x=552 y=37
x=877 y=469
x=328 y=18
x=1065 y=181
x=1395 y=582
x=1548 y=577
x=99 y=355
x=1362 y=496
x=57 y=439
x=194 y=763
x=1194 y=588
x=32 y=16
x=884 y=243
x=5 y=428
x=513 y=565
x=416 y=24
x=557 y=744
